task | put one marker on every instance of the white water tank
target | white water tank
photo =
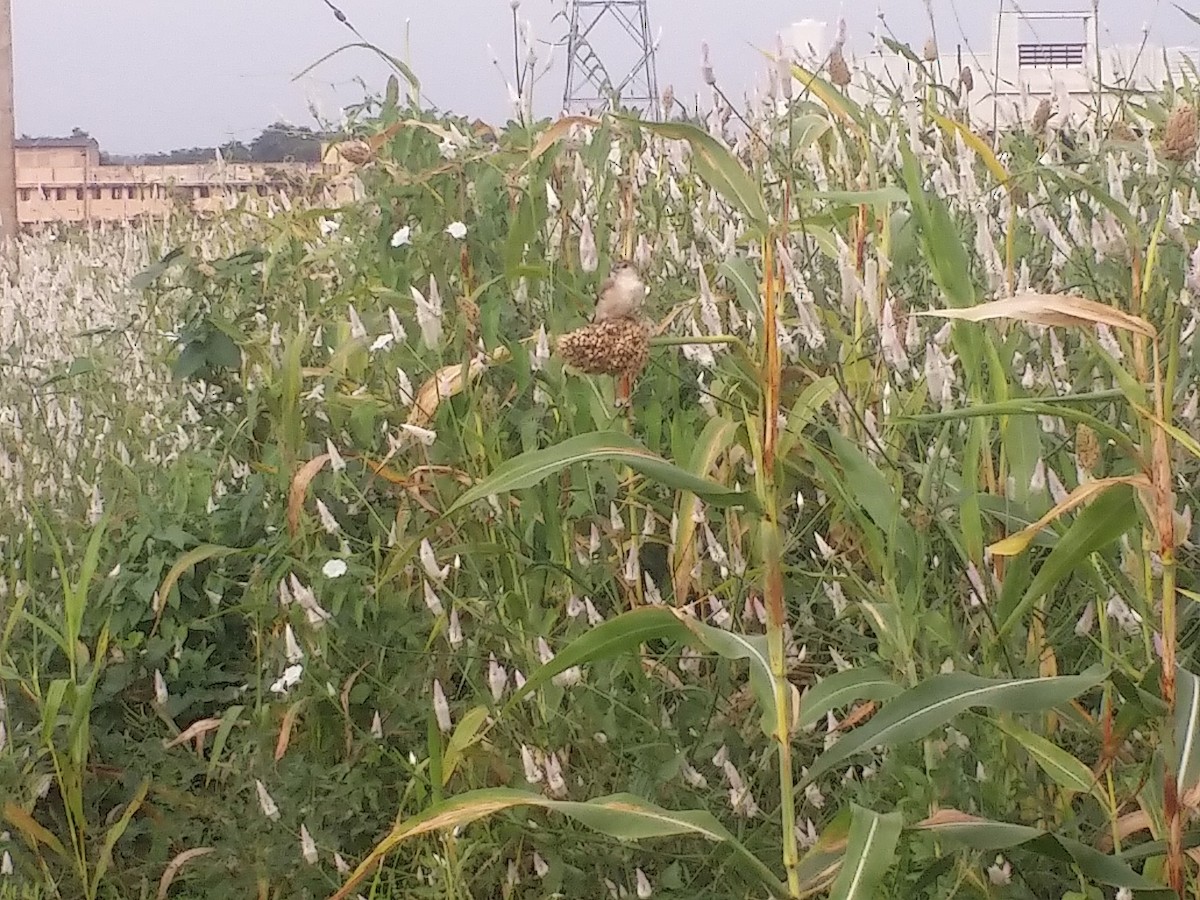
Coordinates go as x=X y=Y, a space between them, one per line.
x=809 y=39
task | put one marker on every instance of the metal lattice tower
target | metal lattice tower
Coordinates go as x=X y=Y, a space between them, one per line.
x=622 y=29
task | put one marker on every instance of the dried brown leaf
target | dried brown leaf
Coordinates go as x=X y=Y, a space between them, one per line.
x=1049 y=309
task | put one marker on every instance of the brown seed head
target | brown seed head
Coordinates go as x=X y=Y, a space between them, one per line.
x=930 y=50
x=1122 y=132
x=1087 y=449
x=355 y=152
x=839 y=72
x=1041 y=116
x=1179 y=143
x=611 y=347
x=968 y=80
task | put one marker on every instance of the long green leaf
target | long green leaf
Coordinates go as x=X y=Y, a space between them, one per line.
x=989 y=836
x=751 y=647
x=623 y=816
x=933 y=703
x=869 y=854
x=1067 y=771
x=717 y=166
x=618 y=635
x=1099 y=524
x=845 y=687
x=530 y=468
x=718 y=434
x=1186 y=743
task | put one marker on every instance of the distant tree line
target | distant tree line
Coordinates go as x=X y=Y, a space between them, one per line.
x=279 y=142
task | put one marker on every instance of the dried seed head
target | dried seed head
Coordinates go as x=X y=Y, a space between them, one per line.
x=1087 y=449
x=968 y=80
x=930 y=51
x=1179 y=144
x=839 y=72
x=611 y=347
x=668 y=99
x=1041 y=116
x=1122 y=132
x=355 y=152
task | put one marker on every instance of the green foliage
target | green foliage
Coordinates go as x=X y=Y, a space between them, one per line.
x=313 y=538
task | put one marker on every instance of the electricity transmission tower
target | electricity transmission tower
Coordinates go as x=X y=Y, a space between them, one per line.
x=622 y=28
x=8 y=162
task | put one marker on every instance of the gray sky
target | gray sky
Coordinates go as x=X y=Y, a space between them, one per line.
x=145 y=75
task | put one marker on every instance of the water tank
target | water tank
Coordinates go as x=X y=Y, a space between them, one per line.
x=809 y=39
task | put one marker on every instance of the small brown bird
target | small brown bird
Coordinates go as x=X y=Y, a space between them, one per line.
x=621 y=294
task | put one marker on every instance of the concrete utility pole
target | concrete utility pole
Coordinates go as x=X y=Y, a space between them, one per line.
x=8 y=128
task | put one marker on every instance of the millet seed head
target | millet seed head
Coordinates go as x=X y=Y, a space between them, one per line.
x=1179 y=143
x=839 y=72
x=611 y=347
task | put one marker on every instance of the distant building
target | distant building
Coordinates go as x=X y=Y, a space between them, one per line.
x=64 y=180
x=1035 y=54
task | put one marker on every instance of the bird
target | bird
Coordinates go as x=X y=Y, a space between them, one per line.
x=621 y=294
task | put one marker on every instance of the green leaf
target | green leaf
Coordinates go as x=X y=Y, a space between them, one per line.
x=869 y=854
x=1186 y=740
x=989 y=836
x=623 y=816
x=717 y=166
x=621 y=634
x=714 y=440
x=752 y=647
x=1067 y=771
x=528 y=469
x=465 y=734
x=933 y=703
x=154 y=271
x=875 y=197
x=1099 y=524
x=845 y=687
x=114 y=834
x=1195 y=18
x=738 y=271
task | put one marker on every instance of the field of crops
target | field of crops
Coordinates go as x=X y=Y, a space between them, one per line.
x=341 y=556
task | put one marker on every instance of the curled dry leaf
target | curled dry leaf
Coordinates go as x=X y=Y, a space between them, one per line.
x=196 y=729
x=173 y=867
x=1016 y=543
x=299 y=490
x=1048 y=309
x=448 y=381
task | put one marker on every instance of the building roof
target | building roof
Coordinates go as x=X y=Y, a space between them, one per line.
x=55 y=143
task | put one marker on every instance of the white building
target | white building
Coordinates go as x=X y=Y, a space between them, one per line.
x=1034 y=54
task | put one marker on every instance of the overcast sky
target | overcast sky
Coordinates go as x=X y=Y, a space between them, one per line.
x=145 y=75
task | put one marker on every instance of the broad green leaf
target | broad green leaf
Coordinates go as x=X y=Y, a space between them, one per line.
x=1098 y=525
x=752 y=647
x=623 y=816
x=717 y=166
x=819 y=866
x=845 y=687
x=401 y=67
x=738 y=271
x=933 y=703
x=837 y=102
x=806 y=409
x=1186 y=742
x=620 y=634
x=1067 y=771
x=874 y=197
x=718 y=434
x=530 y=468
x=990 y=836
x=869 y=854
x=465 y=734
